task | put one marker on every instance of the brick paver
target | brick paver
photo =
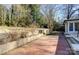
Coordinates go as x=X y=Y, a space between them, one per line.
x=63 y=47
x=43 y=46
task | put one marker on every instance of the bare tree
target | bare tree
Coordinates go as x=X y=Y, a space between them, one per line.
x=70 y=10
x=49 y=12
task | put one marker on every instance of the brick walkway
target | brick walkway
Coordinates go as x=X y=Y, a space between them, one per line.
x=62 y=47
x=47 y=45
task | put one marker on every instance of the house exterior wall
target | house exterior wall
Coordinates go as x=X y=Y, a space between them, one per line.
x=66 y=27
x=78 y=26
x=67 y=24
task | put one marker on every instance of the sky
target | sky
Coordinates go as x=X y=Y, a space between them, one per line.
x=59 y=15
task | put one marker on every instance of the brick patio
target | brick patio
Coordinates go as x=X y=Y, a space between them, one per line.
x=46 y=45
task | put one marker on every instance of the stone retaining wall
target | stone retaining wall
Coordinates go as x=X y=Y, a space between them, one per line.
x=13 y=35
x=8 y=45
x=14 y=44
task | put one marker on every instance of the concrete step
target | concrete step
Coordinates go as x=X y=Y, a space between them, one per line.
x=72 y=40
x=74 y=44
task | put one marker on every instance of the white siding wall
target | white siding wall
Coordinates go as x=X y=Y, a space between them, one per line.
x=67 y=28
